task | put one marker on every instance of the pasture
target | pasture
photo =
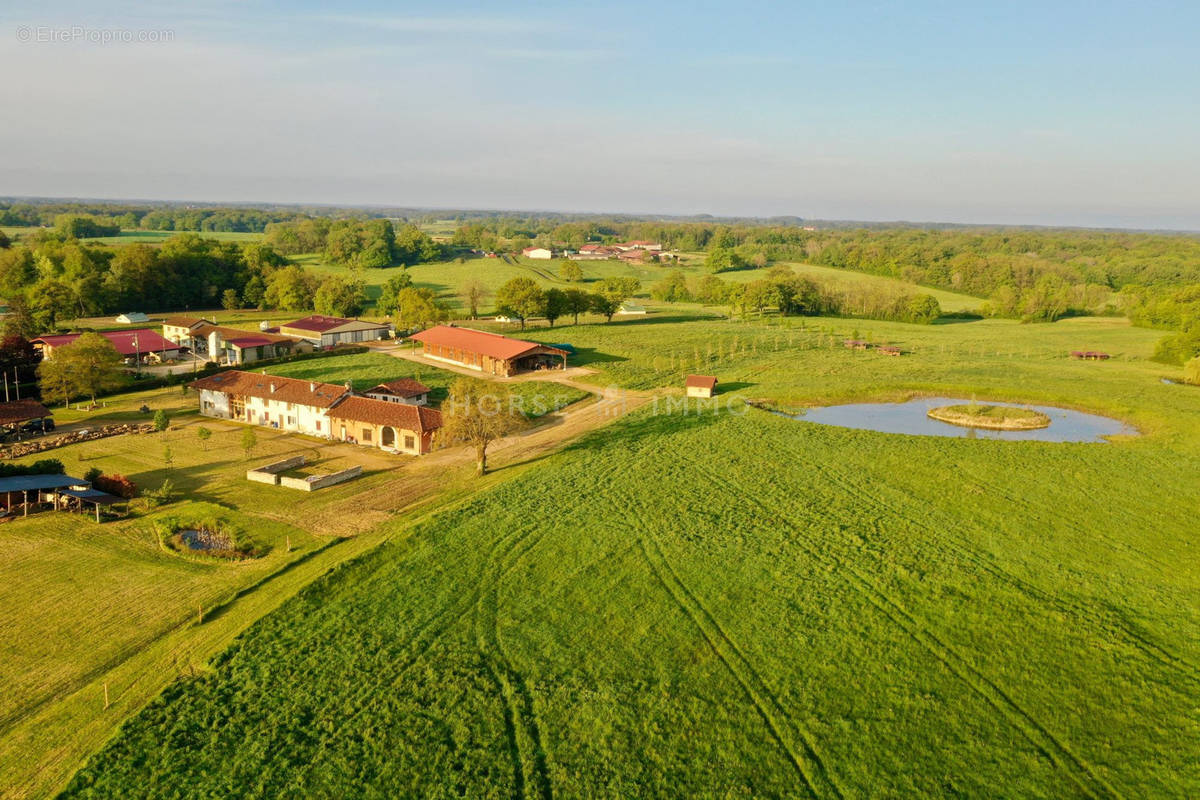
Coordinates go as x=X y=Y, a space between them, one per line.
x=741 y=604
x=736 y=603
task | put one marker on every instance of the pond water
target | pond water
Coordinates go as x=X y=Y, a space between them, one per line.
x=911 y=417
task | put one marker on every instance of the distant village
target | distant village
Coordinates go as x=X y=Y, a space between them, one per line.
x=635 y=251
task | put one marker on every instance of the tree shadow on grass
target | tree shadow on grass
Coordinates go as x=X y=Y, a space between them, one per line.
x=733 y=386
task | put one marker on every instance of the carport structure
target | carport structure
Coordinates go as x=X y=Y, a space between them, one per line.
x=59 y=491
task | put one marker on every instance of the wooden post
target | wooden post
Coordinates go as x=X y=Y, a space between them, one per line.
x=289 y=544
x=97 y=513
x=106 y=697
x=199 y=614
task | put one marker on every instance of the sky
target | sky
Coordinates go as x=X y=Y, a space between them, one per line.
x=1045 y=113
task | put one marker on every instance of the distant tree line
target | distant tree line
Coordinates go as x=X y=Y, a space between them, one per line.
x=367 y=244
x=785 y=291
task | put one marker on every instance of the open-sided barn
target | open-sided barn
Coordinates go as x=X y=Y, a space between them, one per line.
x=487 y=352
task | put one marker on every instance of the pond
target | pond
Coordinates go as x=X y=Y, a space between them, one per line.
x=205 y=540
x=911 y=418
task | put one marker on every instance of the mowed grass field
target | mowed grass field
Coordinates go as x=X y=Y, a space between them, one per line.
x=740 y=604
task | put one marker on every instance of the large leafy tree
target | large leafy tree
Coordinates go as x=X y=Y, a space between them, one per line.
x=576 y=302
x=88 y=366
x=477 y=413
x=290 y=289
x=611 y=293
x=521 y=298
x=418 y=308
x=339 y=296
x=389 y=294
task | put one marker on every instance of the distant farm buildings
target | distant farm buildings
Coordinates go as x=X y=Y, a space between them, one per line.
x=490 y=353
x=231 y=345
x=325 y=331
x=700 y=385
x=133 y=318
x=318 y=409
x=634 y=251
x=141 y=344
x=538 y=252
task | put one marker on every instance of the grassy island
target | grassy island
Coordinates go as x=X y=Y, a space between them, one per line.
x=1000 y=418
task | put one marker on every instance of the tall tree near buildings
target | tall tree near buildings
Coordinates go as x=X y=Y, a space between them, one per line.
x=521 y=298
x=611 y=293
x=96 y=362
x=418 y=308
x=577 y=302
x=477 y=413
x=570 y=271
x=389 y=293
x=556 y=305
x=473 y=292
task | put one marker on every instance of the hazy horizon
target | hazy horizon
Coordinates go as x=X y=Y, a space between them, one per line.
x=1070 y=115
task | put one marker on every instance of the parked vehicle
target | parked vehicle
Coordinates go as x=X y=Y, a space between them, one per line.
x=38 y=425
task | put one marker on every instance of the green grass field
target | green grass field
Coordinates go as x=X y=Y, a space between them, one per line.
x=737 y=603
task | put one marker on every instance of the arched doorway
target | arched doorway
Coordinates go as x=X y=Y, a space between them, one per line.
x=388 y=437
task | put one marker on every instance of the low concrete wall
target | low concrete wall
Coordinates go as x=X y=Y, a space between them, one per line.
x=315 y=482
x=269 y=473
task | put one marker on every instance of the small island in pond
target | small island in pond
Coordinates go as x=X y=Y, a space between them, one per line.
x=997 y=418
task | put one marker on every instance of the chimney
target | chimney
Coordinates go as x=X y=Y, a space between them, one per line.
x=272 y=388
x=312 y=386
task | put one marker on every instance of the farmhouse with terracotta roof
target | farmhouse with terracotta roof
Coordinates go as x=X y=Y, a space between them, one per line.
x=486 y=352
x=325 y=331
x=317 y=409
x=404 y=390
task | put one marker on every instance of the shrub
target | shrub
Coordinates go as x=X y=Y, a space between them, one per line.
x=115 y=484
x=160 y=496
x=1191 y=372
x=161 y=420
x=92 y=475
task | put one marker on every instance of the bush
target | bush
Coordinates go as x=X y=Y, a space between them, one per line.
x=160 y=496
x=92 y=475
x=161 y=420
x=1191 y=372
x=115 y=484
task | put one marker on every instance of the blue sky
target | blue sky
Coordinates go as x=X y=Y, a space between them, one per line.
x=1037 y=113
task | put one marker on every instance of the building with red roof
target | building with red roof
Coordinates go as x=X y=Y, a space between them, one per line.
x=317 y=409
x=700 y=385
x=141 y=343
x=404 y=390
x=326 y=331
x=491 y=353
